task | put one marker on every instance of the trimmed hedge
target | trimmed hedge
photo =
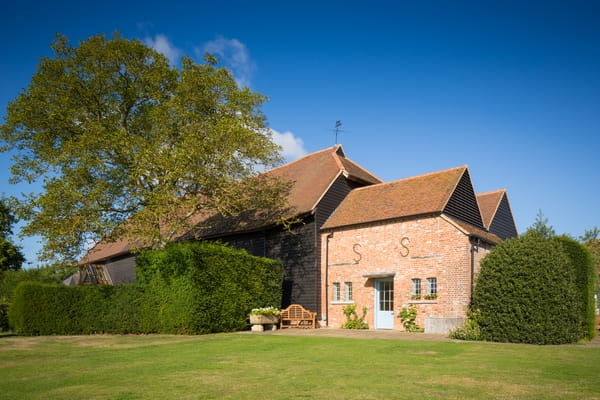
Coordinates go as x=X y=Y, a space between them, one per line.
x=585 y=280
x=52 y=309
x=527 y=292
x=187 y=288
x=204 y=287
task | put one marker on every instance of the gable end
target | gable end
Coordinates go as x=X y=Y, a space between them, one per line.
x=503 y=224
x=463 y=205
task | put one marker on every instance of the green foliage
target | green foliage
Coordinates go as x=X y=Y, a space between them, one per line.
x=408 y=317
x=590 y=234
x=186 y=288
x=541 y=226
x=353 y=321
x=54 y=273
x=46 y=309
x=593 y=245
x=206 y=287
x=10 y=279
x=117 y=134
x=470 y=329
x=585 y=280
x=4 y=325
x=11 y=258
x=527 y=292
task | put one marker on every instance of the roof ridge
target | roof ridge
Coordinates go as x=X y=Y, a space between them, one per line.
x=491 y=192
x=409 y=178
x=336 y=157
x=334 y=149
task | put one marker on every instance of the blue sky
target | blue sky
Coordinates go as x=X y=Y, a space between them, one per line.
x=510 y=88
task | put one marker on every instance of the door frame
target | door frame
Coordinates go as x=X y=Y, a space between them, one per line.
x=380 y=323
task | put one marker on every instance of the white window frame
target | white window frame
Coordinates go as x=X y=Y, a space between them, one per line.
x=416 y=287
x=347 y=291
x=432 y=285
x=336 y=292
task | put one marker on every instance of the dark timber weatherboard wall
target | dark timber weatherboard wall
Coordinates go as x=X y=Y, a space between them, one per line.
x=299 y=250
x=463 y=205
x=503 y=224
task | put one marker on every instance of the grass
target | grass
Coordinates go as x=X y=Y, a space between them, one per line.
x=247 y=366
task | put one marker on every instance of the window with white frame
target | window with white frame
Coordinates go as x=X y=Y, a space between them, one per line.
x=432 y=287
x=416 y=288
x=336 y=291
x=347 y=291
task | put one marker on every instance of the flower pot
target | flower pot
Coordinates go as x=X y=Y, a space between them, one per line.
x=263 y=319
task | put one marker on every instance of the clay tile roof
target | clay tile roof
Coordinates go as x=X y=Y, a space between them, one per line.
x=423 y=194
x=107 y=249
x=312 y=176
x=489 y=203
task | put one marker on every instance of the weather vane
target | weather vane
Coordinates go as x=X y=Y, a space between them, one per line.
x=337 y=130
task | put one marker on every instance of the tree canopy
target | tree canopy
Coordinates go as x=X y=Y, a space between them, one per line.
x=11 y=258
x=541 y=226
x=126 y=144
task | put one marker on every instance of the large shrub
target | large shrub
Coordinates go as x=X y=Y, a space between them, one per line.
x=585 y=280
x=206 y=287
x=527 y=292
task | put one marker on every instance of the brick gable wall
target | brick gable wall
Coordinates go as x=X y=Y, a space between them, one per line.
x=412 y=248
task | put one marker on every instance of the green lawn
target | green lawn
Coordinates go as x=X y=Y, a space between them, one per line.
x=254 y=366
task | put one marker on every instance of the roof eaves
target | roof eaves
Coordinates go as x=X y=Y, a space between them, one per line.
x=90 y=260
x=325 y=228
x=491 y=238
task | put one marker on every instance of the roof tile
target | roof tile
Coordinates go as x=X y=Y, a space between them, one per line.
x=423 y=194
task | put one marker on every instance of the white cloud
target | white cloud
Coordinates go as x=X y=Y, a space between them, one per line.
x=162 y=44
x=293 y=147
x=234 y=54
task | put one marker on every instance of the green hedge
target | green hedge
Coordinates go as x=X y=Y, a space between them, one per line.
x=204 y=287
x=4 y=326
x=585 y=280
x=527 y=292
x=51 y=309
x=189 y=288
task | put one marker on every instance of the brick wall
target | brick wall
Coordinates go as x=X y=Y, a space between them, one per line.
x=417 y=248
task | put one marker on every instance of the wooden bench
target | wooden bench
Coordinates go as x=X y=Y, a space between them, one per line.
x=296 y=316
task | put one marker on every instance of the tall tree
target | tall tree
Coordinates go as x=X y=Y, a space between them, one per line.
x=590 y=234
x=128 y=145
x=541 y=226
x=11 y=258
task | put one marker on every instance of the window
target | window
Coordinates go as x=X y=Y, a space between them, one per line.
x=416 y=288
x=347 y=291
x=336 y=291
x=431 y=285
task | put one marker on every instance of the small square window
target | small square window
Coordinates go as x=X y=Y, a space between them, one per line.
x=347 y=291
x=336 y=291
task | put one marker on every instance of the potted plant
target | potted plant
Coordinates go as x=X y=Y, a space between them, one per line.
x=431 y=296
x=264 y=315
x=415 y=297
